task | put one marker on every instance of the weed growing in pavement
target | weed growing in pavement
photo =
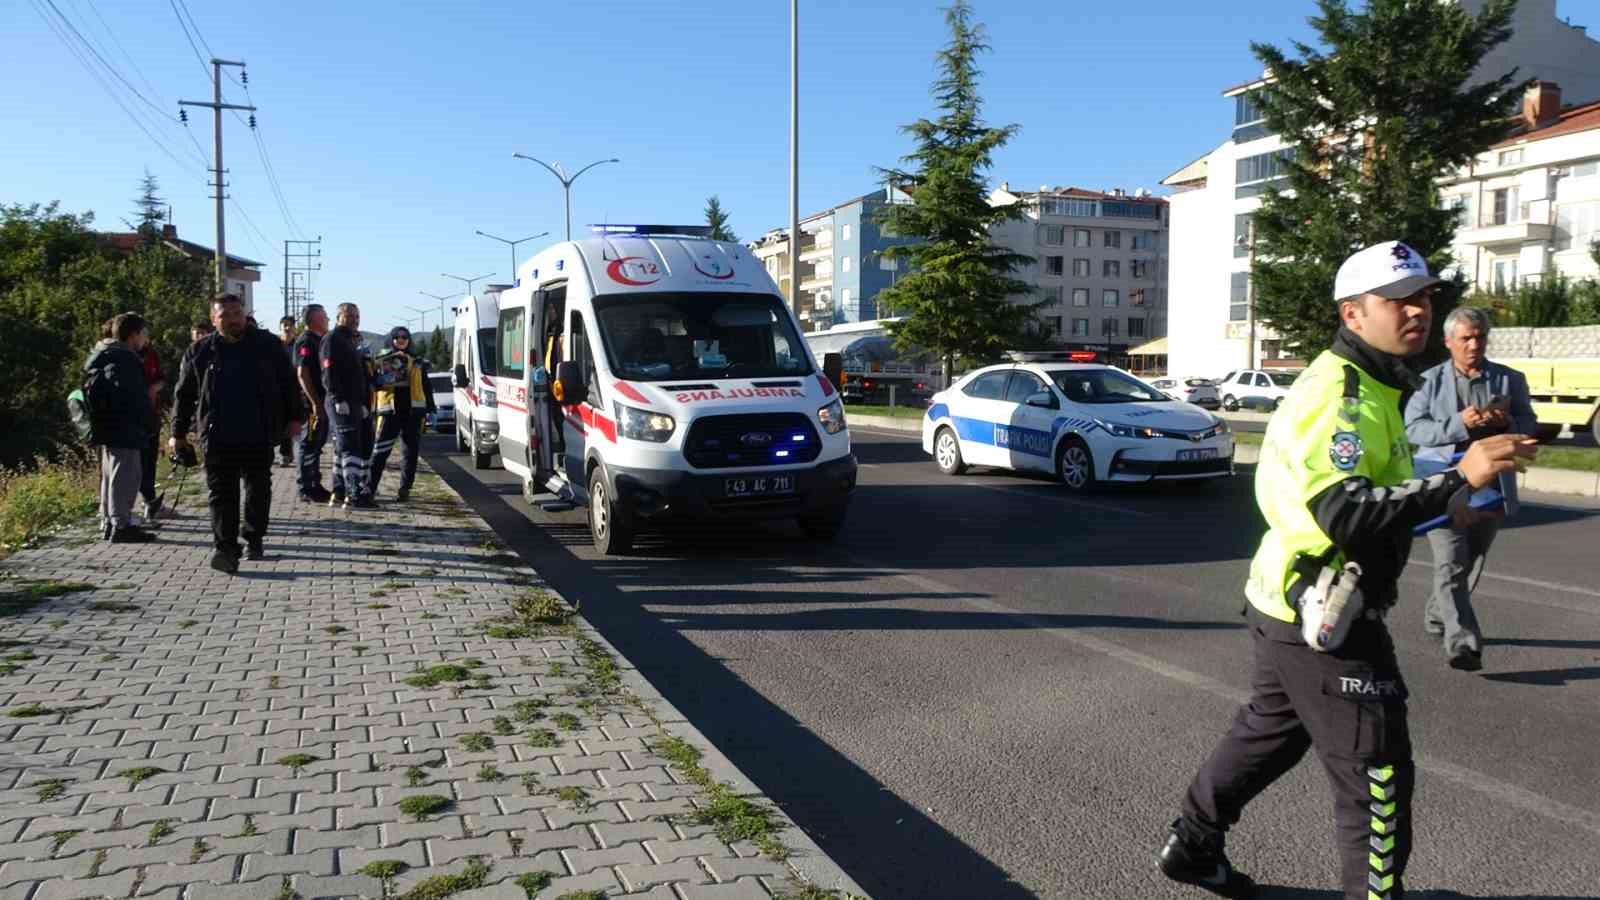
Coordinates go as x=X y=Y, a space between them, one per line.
x=22 y=655
x=139 y=774
x=99 y=860
x=451 y=592
x=422 y=806
x=384 y=870
x=734 y=818
x=577 y=796
x=188 y=623
x=360 y=648
x=534 y=882
x=542 y=738
x=509 y=632
x=9 y=668
x=529 y=710
x=113 y=606
x=335 y=629
x=296 y=762
x=198 y=850
x=416 y=777
x=56 y=623
x=481 y=682
x=51 y=788
x=159 y=829
x=530 y=783
x=108 y=657
x=393 y=585
x=429 y=572
x=541 y=607
x=58 y=839
x=376 y=595
x=33 y=711
x=566 y=721
x=285 y=891
x=249 y=829
x=429 y=615
x=583 y=895
x=490 y=546
x=472 y=662
x=440 y=886
x=274 y=682
x=488 y=772
x=476 y=742
x=557 y=668
x=812 y=892
x=503 y=726
x=437 y=675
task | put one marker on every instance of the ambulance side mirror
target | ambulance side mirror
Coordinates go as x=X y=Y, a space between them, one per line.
x=568 y=388
x=459 y=379
x=833 y=368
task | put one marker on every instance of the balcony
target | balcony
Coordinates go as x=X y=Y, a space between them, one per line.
x=818 y=281
x=1489 y=232
x=816 y=250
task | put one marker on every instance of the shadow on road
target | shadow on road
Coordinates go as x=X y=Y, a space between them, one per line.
x=1277 y=892
x=1548 y=677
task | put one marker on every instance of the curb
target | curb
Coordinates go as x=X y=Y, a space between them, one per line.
x=807 y=860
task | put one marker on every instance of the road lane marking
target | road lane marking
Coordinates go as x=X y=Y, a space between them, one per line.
x=1422 y=575
x=1471 y=779
x=1548 y=585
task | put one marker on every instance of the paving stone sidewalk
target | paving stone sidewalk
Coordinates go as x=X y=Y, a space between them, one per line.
x=169 y=731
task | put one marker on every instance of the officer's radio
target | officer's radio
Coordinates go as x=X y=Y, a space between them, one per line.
x=1329 y=605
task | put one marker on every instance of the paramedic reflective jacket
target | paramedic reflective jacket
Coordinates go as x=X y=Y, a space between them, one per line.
x=1335 y=474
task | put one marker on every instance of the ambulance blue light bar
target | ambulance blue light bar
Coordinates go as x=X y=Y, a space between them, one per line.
x=645 y=230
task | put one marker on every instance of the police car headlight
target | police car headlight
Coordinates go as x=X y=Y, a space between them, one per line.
x=1117 y=429
x=487 y=397
x=1220 y=428
x=832 y=417
x=641 y=425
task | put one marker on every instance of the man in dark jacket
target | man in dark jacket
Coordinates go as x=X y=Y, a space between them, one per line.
x=116 y=392
x=237 y=386
x=347 y=401
x=401 y=403
x=307 y=356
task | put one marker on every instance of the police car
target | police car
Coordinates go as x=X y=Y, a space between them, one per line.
x=1083 y=423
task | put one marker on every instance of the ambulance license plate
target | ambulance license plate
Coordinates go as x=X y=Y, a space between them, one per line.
x=1203 y=453
x=758 y=485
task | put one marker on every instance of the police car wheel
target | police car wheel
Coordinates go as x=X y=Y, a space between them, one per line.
x=1230 y=403
x=611 y=530
x=1075 y=465
x=947 y=452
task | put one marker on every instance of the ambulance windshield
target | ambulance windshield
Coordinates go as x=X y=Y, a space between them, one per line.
x=673 y=336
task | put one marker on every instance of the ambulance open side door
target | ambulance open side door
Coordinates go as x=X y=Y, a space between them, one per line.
x=547 y=307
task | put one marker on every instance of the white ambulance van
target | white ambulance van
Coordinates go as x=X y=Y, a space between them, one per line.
x=657 y=377
x=472 y=361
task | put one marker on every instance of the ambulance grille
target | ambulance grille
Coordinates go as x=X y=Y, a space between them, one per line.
x=757 y=439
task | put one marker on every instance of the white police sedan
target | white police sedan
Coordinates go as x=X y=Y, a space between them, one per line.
x=1085 y=424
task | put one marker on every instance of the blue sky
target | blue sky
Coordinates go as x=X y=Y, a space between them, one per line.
x=391 y=126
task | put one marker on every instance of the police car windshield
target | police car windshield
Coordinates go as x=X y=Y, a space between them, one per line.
x=1105 y=386
x=673 y=336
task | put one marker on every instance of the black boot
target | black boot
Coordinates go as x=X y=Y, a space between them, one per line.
x=1203 y=867
x=131 y=534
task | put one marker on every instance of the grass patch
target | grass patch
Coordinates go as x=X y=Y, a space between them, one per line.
x=139 y=774
x=530 y=710
x=422 y=806
x=566 y=721
x=476 y=742
x=440 y=886
x=1578 y=459
x=534 y=882
x=249 y=829
x=297 y=761
x=188 y=623
x=384 y=870
x=577 y=796
x=375 y=595
x=159 y=829
x=360 y=648
x=503 y=726
x=732 y=817
x=542 y=738
x=25 y=595
x=430 y=615
x=285 y=891
x=335 y=629
x=198 y=850
x=557 y=668
x=540 y=608
x=416 y=777
x=437 y=675
x=113 y=606
x=392 y=585
x=583 y=895
x=491 y=774
x=51 y=788
x=530 y=783
x=45 y=499
x=58 y=839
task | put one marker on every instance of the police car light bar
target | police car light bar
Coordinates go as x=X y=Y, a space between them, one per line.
x=703 y=231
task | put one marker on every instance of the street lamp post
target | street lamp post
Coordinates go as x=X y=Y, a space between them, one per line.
x=566 y=183
x=423 y=311
x=513 y=245
x=441 y=298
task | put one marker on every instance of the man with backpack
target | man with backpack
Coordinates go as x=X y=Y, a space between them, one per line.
x=116 y=407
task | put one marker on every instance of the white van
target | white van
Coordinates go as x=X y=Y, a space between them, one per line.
x=657 y=376
x=472 y=360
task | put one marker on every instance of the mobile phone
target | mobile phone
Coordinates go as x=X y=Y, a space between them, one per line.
x=1500 y=402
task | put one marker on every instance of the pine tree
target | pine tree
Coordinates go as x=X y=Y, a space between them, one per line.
x=957 y=299
x=438 y=351
x=150 y=210
x=717 y=218
x=1372 y=120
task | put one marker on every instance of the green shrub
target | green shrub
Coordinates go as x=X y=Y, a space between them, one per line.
x=35 y=502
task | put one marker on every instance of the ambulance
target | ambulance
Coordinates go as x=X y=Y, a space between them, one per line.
x=657 y=378
x=472 y=360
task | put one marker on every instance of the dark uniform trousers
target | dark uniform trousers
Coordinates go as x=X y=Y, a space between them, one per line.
x=225 y=468
x=406 y=427
x=308 y=455
x=1351 y=706
x=352 y=442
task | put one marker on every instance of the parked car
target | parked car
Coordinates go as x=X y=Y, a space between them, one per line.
x=1260 y=389
x=443 y=420
x=1202 y=392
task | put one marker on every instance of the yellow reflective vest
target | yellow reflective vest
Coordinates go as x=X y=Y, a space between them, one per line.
x=1324 y=432
x=383 y=396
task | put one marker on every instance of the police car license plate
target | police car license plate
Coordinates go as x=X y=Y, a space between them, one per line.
x=1203 y=453
x=758 y=485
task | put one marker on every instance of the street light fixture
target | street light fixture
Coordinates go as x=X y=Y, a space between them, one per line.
x=441 y=298
x=423 y=312
x=566 y=183
x=513 y=249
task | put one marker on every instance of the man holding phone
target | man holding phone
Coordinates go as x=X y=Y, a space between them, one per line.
x=1462 y=400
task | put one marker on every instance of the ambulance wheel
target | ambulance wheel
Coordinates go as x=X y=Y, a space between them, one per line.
x=611 y=529
x=1230 y=403
x=824 y=526
x=947 y=452
x=461 y=441
x=1075 y=465
x=480 y=460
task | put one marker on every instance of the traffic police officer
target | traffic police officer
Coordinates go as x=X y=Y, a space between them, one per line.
x=1335 y=485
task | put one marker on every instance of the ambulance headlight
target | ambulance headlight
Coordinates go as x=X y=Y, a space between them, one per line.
x=832 y=417
x=487 y=397
x=642 y=425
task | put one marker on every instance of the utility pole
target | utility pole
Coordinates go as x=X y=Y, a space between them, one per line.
x=294 y=299
x=794 y=155
x=217 y=106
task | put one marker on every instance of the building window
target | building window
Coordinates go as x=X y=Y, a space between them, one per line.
x=1511 y=157
x=844 y=297
x=1241 y=234
x=844 y=264
x=1577 y=225
x=1135 y=327
x=844 y=232
x=1113 y=238
x=1055 y=294
x=1053 y=235
x=1249 y=119
x=1080 y=327
x=1505 y=275
x=1462 y=202
x=1057 y=207
x=1080 y=237
x=1109 y=327
x=1110 y=297
x=1130 y=209
x=1080 y=297
x=1141 y=268
x=1110 y=268
x=888 y=264
x=1506 y=208
x=1052 y=326
x=1585 y=169
x=1239 y=300
x=1136 y=297
x=1254 y=174
x=1055 y=265
x=1080 y=268
x=1144 y=240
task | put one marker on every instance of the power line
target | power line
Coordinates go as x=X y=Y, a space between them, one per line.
x=198 y=58
x=196 y=27
x=111 y=32
x=109 y=67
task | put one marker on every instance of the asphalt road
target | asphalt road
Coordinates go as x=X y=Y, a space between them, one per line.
x=987 y=688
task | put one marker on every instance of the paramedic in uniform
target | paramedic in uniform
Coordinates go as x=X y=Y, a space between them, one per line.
x=401 y=407
x=1335 y=486
x=346 y=402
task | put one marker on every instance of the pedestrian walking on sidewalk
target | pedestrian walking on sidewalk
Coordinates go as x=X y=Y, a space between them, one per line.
x=286 y=333
x=1335 y=485
x=200 y=329
x=401 y=403
x=307 y=355
x=237 y=386
x=347 y=402
x=1462 y=400
x=119 y=404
